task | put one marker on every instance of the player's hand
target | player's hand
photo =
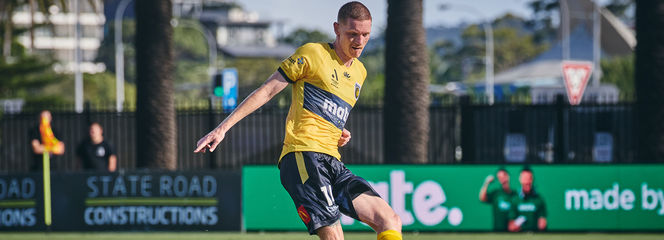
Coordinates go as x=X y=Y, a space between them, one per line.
x=345 y=137
x=488 y=179
x=210 y=141
x=513 y=227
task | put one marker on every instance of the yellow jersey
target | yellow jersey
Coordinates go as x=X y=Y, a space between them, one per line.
x=324 y=91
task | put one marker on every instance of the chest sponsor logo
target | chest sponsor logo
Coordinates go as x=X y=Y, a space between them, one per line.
x=503 y=205
x=527 y=207
x=327 y=105
x=336 y=110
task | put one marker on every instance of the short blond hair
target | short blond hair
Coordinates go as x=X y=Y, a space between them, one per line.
x=353 y=10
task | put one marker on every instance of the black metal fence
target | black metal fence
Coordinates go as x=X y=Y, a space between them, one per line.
x=461 y=132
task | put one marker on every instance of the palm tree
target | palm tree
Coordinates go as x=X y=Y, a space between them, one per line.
x=155 y=111
x=406 y=115
x=7 y=11
x=650 y=80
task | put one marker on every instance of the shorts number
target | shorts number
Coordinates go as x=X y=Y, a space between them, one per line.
x=327 y=191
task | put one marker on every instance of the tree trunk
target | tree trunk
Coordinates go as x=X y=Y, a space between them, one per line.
x=406 y=114
x=650 y=80
x=32 y=25
x=7 y=41
x=155 y=110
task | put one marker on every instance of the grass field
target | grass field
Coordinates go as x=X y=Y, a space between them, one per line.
x=302 y=235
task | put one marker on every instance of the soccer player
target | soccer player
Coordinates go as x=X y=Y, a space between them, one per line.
x=528 y=212
x=326 y=81
x=499 y=198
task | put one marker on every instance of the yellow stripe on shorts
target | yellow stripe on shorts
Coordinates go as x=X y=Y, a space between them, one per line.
x=300 y=167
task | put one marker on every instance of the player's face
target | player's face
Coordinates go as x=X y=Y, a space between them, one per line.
x=503 y=178
x=352 y=36
x=526 y=179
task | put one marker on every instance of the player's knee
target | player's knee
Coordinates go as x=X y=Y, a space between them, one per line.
x=391 y=221
x=396 y=222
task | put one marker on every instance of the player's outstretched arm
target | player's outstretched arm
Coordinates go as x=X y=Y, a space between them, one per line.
x=272 y=86
x=484 y=188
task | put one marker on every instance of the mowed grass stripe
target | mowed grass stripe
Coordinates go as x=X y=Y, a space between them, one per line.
x=137 y=201
x=304 y=235
x=17 y=203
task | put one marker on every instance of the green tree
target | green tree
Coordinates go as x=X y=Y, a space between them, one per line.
x=546 y=12
x=406 y=112
x=373 y=89
x=7 y=8
x=106 y=51
x=513 y=46
x=155 y=107
x=619 y=71
x=191 y=76
x=301 y=36
x=31 y=78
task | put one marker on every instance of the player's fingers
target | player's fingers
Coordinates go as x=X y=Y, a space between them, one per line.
x=213 y=145
x=202 y=144
x=345 y=133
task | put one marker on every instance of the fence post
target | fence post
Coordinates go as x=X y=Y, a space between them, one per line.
x=467 y=131
x=212 y=163
x=560 y=147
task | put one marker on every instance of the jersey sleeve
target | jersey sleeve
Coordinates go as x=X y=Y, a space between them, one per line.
x=110 y=149
x=299 y=65
x=490 y=195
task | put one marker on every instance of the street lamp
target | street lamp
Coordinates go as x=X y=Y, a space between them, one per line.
x=488 y=58
x=119 y=50
x=212 y=45
x=119 y=55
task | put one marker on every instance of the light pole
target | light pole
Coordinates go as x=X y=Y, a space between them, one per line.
x=488 y=57
x=119 y=50
x=119 y=55
x=78 y=76
x=212 y=45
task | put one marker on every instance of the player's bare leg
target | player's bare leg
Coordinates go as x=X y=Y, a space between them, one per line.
x=375 y=212
x=332 y=232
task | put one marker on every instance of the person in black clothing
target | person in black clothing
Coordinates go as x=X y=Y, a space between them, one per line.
x=95 y=153
x=42 y=139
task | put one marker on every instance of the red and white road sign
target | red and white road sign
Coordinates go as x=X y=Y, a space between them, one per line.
x=576 y=75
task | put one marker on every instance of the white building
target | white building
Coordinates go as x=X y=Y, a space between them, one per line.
x=59 y=39
x=238 y=33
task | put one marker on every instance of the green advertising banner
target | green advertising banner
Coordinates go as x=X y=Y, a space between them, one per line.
x=435 y=198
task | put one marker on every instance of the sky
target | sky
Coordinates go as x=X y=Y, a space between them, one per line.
x=320 y=14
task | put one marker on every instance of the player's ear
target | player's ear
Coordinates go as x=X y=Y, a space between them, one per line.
x=336 y=28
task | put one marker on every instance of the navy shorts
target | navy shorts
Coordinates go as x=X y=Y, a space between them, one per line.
x=321 y=187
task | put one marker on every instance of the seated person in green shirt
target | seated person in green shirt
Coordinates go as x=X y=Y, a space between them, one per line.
x=528 y=212
x=500 y=198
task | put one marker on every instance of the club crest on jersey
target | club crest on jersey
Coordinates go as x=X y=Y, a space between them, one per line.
x=357 y=90
x=300 y=60
x=304 y=215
